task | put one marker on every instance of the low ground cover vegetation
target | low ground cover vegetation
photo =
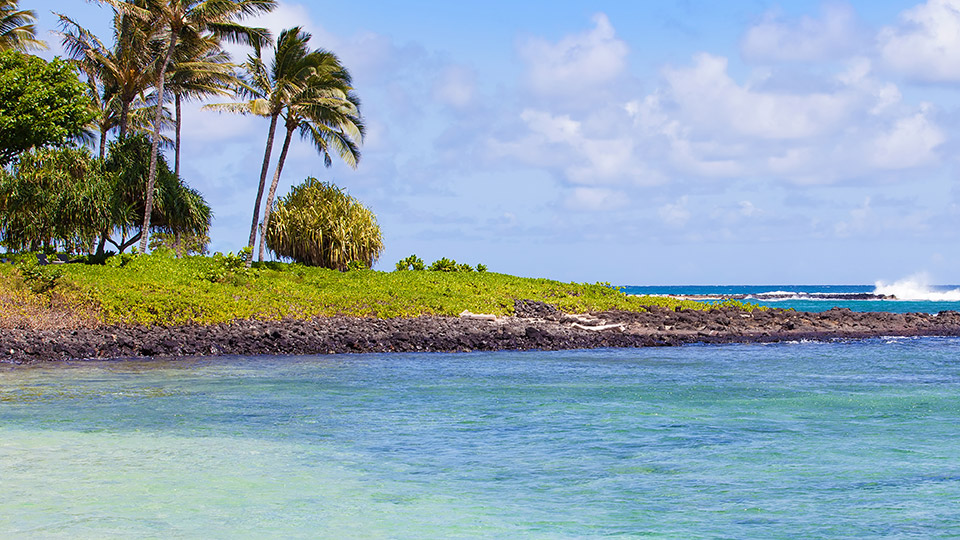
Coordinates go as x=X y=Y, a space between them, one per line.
x=160 y=289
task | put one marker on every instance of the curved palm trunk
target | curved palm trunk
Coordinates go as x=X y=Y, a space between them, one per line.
x=176 y=155
x=263 y=182
x=152 y=178
x=273 y=188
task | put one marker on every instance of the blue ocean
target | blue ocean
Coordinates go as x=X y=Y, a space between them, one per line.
x=794 y=440
x=909 y=295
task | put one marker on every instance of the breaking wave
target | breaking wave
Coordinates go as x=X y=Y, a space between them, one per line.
x=915 y=288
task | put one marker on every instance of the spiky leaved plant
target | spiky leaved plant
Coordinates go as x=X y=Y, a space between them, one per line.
x=318 y=224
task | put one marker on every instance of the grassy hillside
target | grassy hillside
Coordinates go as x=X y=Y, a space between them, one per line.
x=159 y=289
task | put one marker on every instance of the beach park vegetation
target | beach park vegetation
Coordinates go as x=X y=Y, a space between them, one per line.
x=64 y=199
x=318 y=224
x=41 y=103
x=161 y=289
x=311 y=90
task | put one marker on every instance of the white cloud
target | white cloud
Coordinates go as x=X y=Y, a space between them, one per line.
x=706 y=92
x=925 y=45
x=910 y=142
x=576 y=63
x=834 y=34
x=709 y=125
x=587 y=157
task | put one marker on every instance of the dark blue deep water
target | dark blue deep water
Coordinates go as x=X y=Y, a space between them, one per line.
x=794 y=440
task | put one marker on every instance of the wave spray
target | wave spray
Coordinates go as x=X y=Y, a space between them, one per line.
x=916 y=287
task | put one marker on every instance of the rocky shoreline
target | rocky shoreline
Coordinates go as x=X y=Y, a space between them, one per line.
x=535 y=325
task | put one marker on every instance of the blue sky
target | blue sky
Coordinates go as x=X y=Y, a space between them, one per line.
x=690 y=142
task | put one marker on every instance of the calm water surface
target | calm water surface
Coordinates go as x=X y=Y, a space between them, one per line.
x=804 y=440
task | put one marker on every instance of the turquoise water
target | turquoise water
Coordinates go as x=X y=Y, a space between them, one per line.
x=802 y=440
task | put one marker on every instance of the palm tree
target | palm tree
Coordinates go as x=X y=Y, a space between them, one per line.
x=269 y=90
x=327 y=114
x=16 y=28
x=188 y=20
x=117 y=77
x=198 y=70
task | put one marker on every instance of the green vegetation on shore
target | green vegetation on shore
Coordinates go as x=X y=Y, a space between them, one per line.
x=159 y=289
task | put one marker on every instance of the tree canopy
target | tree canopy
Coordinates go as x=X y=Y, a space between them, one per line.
x=63 y=198
x=53 y=198
x=41 y=103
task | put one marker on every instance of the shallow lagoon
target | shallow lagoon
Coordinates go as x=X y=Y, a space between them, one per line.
x=853 y=439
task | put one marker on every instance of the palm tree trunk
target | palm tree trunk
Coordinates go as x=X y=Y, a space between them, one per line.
x=152 y=178
x=176 y=155
x=273 y=188
x=263 y=181
x=124 y=113
x=103 y=143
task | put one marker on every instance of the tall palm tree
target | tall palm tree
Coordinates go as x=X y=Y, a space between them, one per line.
x=327 y=113
x=269 y=90
x=17 y=31
x=187 y=20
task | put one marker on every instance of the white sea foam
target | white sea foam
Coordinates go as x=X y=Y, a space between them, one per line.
x=916 y=287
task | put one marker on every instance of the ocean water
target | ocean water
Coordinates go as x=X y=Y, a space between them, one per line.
x=795 y=440
x=912 y=295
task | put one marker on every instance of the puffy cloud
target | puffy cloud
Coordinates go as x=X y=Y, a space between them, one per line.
x=706 y=92
x=835 y=33
x=910 y=142
x=576 y=63
x=712 y=126
x=606 y=155
x=925 y=45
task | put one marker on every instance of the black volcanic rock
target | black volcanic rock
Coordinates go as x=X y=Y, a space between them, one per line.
x=537 y=325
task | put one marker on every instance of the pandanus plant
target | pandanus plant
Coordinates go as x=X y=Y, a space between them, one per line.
x=318 y=224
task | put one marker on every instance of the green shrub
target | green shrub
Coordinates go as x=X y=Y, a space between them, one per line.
x=228 y=268
x=40 y=278
x=410 y=263
x=443 y=265
x=318 y=224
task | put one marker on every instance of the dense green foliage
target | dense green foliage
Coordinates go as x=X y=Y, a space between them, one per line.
x=177 y=208
x=54 y=199
x=64 y=199
x=41 y=103
x=410 y=263
x=160 y=289
x=318 y=224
